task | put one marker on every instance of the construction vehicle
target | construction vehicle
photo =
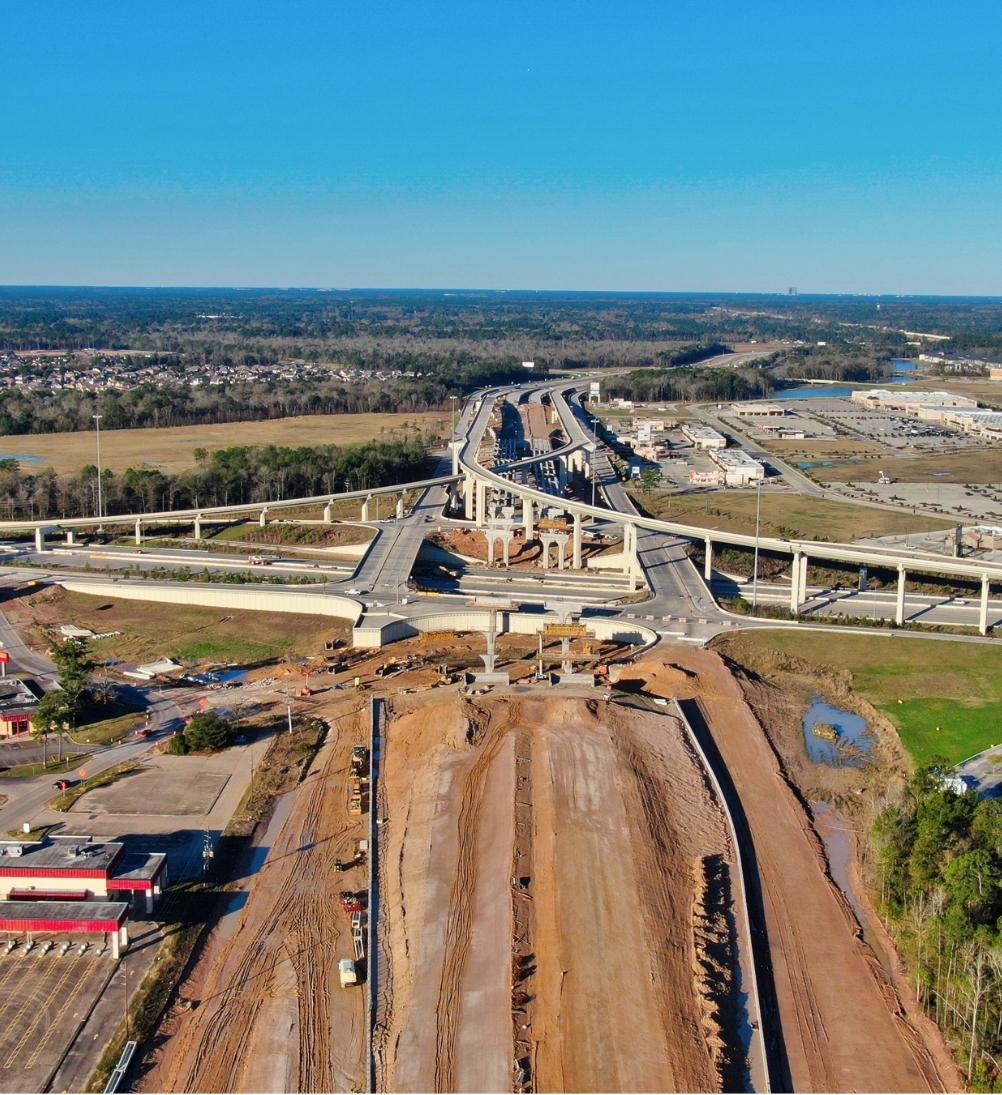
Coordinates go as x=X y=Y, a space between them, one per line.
x=347 y=973
x=359 y=760
x=353 y=901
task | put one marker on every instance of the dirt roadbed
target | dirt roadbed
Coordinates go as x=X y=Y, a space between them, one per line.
x=262 y=1009
x=555 y=894
x=841 y=1025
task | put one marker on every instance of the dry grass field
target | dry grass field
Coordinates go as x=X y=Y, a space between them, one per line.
x=171 y=449
x=976 y=466
x=782 y=515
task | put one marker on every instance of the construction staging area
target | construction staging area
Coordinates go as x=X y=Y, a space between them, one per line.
x=560 y=907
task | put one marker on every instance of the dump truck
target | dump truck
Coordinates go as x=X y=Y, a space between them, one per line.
x=347 y=973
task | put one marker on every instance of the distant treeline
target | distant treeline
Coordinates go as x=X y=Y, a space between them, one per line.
x=686 y=384
x=243 y=473
x=173 y=405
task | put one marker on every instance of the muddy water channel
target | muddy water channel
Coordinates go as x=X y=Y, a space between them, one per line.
x=836 y=737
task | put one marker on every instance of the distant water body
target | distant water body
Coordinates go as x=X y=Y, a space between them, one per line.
x=902 y=370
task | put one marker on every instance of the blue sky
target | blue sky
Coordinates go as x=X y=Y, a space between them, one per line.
x=658 y=146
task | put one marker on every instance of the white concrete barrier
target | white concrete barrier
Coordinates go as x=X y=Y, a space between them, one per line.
x=248 y=598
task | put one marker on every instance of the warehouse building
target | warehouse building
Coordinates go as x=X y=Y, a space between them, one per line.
x=739 y=469
x=704 y=437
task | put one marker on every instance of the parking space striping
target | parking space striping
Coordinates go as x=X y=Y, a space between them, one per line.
x=23 y=964
x=53 y=990
x=38 y=990
x=56 y=1019
x=14 y=965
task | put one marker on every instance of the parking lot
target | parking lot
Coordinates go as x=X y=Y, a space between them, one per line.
x=43 y=999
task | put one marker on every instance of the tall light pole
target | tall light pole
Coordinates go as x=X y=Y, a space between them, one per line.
x=758 y=517
x=100 y=498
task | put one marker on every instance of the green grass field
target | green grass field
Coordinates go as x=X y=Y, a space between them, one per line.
x=945 y=698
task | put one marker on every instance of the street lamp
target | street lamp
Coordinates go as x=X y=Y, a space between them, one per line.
x=758 y=518
x=100 y=500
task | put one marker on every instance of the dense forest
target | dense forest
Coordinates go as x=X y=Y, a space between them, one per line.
x=938 y=858
x=223 y=477
x=681 y=384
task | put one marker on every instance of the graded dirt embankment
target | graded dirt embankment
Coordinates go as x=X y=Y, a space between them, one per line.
x=555 y=893
x=268 y=1013
x=842 y=1026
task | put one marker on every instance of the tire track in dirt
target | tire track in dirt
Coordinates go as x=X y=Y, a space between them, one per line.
x=271 y=1015
x=457 y=933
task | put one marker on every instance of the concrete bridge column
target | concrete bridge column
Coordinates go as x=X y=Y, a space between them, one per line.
x=899 y=615
x=455 y=446
x=802 y=593
x=864 y=580
x=707 y=559
x=795 y=583
x=632 y=559
x=400 y=508
x=39 y=539
x=481 y=508
x=70 y=537
x=365 y=508
x=983 y=615
x=576 y=543
x=468 y=497
x=263 y=519
x=527 y=518
x=139 y=531
x=328 y=512
x=198 y=526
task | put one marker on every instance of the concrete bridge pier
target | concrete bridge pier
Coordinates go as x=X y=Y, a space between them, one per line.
x=400 y=508
x=576 y=543
x=795 y=584
x=632 y=558
x=71 y=538
x=39 y=539
x=365 y=508
x=802 y=592
x=983 y=614
x=530 y=531
x=468 y=497
x=557 y=540
x=328 y=512
x=480 y=516
x=455 y=446
x=139 y=531
x=263 y=519
x=707 y=559
x=899 y=615
x=493 y=536
x=864 y=579
x=198 y=526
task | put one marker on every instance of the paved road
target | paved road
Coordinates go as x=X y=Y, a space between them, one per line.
x=25 y=797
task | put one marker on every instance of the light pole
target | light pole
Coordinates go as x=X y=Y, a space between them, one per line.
x=100 y=499
x=758 y=517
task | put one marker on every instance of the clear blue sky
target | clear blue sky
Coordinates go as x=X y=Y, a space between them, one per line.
x=671 y=145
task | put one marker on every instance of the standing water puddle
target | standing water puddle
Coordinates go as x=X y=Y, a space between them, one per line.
x=836 y=737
